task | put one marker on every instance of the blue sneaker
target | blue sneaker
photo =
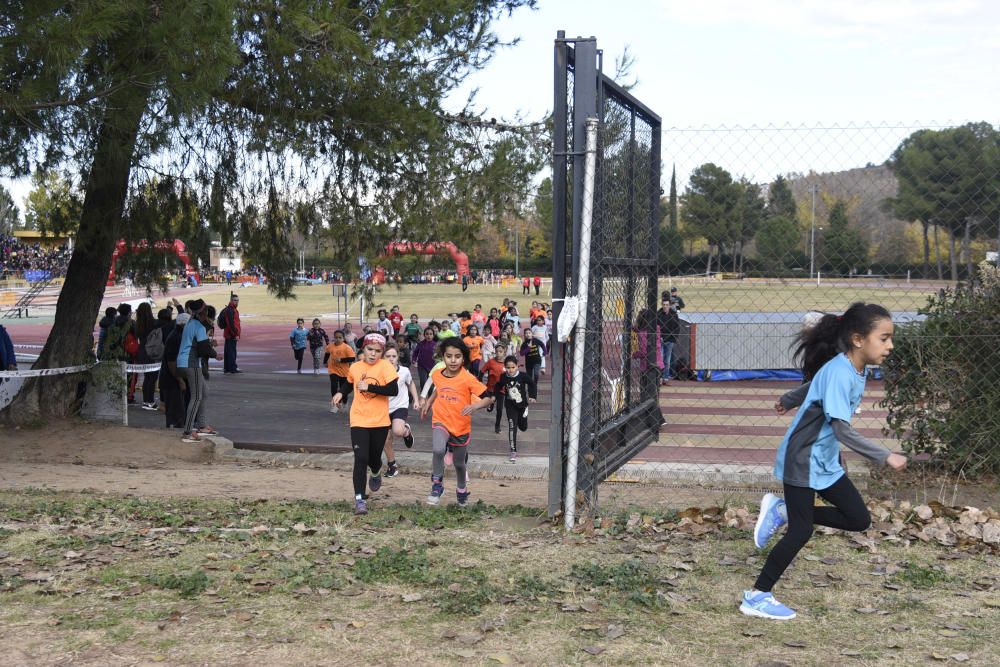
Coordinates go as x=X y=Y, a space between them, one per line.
x=772 y=517
x=763 y=605
x=463 y=496
x=375 y=482
x=437 y=489
x=360 y=506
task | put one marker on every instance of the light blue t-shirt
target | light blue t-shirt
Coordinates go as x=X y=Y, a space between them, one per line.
x=298 y=337
x=194 y=332
x=809 y=455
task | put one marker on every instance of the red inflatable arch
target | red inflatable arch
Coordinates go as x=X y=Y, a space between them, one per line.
x=409 y=248
x=176 y=247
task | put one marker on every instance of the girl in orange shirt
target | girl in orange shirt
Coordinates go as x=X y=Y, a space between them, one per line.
x=457 y=394
x=474 y=342
x=376 y=380
x=340 y=356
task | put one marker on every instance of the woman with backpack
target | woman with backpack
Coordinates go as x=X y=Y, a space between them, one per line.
x=149 y=333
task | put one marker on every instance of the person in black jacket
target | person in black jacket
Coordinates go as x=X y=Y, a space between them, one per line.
x=669 y=324
x=174 y=397
x=518 y=390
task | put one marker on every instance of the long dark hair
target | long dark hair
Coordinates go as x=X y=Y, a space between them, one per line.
x=144 y=322
x=458 y=344
x=831 y=335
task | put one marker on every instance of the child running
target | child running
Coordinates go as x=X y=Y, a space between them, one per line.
x=399 y=410
x=298 y=339
x=493 y=369
x=376 y=381
x=833 y=353
x=340 y=356
x=533 y=351
x=318 y=340
x=517 y=389
x=457 y=394
x=474 y=342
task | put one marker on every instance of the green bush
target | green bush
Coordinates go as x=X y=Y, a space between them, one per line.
x=943 y=378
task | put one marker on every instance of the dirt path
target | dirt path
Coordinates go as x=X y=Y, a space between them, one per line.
x=75 y=455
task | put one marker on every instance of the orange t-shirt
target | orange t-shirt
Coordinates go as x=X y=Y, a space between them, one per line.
x=370 y=410
x=338 y=352
x=453 y=394
x=493 y=370
x=475 y=346
x=463 y=326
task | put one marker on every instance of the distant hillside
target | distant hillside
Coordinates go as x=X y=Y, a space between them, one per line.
x=865 y=189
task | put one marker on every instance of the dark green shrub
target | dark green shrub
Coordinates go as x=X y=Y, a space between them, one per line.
x=943 y=378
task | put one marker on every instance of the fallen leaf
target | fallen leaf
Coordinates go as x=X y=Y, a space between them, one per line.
x=412 y=597
x=794 y=643
x=948 y=633
x=899 y=627
x=590 y=605
x=939 y=656
x=753 y=633
x=850 y=652
x=679 y=565
x=469 y=639
x=959 y=657
x=301 y=529
x=502 y=658
x=357 y=624
x=464 y=653
x=449 y=634
x=615 y=631
x=455 y=588
x=594 y=650
x=866 y=610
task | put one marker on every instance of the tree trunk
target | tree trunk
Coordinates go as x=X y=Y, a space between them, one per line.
x=708 y=266
x=954 y=255
x=937 y=252
x=71 y=340
x=927 y=251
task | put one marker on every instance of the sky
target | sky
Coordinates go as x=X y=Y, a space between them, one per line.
x=764 y=87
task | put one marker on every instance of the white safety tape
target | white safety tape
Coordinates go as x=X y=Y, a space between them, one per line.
x=28 y=346
x=42 y=372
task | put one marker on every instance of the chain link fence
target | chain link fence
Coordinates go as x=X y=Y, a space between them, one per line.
x=757 y=230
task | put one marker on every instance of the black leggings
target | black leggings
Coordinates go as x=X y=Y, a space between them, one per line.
x=367 y=444
x=298 y=352
x=848 y=512
x=516 y=421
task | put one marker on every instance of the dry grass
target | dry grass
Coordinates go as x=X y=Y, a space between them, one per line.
x=118 y=580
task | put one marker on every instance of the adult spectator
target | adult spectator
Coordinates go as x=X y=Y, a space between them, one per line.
x=118 y=335
x=230 y=323
x=525 y=285
x=103 y=326
x=669 y=325
x=537 y=281
x=173 y=389
x=465 y=281
x=195 y=345
x=8 y=362
x=676 y=299
x=150 y=333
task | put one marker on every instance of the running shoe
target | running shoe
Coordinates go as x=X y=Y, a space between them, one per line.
x=207 y=430
x=392 y=471
x=408 y=438
x=190 y=437
x=513 y=456
x=437 y=490
x=375 y=483
x=149 y=406
x=360 y=506
x=773 y=515
x=763 y=605
x=496 y=429
x=463 y=497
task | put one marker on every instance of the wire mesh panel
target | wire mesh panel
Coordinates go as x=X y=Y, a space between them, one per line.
x=617 y=405
x=697 y=295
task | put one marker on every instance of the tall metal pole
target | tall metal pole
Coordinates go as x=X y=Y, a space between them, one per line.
x=517 y=251
x=560 y=111
x=812 y=237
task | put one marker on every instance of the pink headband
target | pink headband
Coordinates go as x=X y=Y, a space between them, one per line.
x=375 y=339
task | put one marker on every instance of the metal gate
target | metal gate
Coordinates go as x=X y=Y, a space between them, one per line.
x=605 y=251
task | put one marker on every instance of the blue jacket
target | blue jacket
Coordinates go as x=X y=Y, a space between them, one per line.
x=7 y=358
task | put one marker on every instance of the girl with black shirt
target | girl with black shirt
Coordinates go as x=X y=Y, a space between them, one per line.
x=518 y=390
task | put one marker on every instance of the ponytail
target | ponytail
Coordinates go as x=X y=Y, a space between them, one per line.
x=831 y=335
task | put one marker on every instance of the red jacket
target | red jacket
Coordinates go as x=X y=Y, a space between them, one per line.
x=232 y=321
x=538 y=281
x=525 y=282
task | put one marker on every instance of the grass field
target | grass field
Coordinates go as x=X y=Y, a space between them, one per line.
x=436 y=301
x=106 y=580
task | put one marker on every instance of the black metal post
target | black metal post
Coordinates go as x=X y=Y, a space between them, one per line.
x=558 y=270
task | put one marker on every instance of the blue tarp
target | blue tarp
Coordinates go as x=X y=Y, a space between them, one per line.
x=37 y=276
x=788 y=374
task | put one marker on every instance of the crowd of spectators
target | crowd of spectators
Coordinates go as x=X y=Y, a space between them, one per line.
x=16 y=258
